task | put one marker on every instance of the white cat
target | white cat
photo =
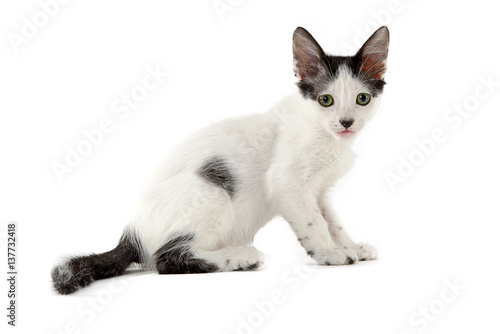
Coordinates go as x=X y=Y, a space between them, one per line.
x=216 y=190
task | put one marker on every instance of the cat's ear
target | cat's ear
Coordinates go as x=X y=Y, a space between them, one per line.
x=374 y=52
x=307 y=55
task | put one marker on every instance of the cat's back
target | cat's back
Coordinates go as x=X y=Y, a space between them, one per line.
x=244 y=143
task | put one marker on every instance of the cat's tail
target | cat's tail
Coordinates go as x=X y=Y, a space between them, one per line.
x=80 y=271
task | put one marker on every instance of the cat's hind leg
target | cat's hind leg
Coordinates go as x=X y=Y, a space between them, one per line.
x=181 y=256
x=234 y=258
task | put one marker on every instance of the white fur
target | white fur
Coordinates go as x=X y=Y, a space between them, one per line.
x=284 y=161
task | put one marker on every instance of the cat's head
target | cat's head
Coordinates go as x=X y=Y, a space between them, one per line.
x=341 y=92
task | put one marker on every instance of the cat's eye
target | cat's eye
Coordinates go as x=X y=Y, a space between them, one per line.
x=363 y=99
x=325 y=100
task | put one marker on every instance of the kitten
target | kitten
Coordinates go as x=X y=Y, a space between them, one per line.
x=215 y=191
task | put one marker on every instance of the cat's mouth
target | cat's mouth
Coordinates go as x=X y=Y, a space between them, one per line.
x=346 y=132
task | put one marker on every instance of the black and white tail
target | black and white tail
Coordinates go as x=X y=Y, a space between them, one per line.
x=78 y=272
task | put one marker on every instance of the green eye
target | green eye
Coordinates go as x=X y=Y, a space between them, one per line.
x=325 y=100
x=363 y=99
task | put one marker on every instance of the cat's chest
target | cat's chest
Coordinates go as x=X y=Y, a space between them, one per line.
x=323 y=162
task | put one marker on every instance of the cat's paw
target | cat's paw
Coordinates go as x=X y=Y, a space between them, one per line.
x=366 y=252
x=249 y=258
x=336 y=256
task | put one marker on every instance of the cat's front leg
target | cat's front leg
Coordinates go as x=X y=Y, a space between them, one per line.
x=306 y=220
x=364 y=251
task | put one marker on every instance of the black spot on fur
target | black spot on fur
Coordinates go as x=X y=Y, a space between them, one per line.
x=176 y=257
x=310 y=253
x=217 y=171
x=79 y=272
x=301 y=240
x=253 y=266
x=310 y=224
x=349 y=260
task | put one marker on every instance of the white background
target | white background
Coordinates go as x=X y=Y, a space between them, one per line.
x=440 y=225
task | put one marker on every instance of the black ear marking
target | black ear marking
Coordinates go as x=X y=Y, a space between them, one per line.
x=316 y=70
x=308 y=55
x=374 y=54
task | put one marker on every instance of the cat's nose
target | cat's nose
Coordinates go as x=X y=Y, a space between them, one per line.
x=346 y=123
